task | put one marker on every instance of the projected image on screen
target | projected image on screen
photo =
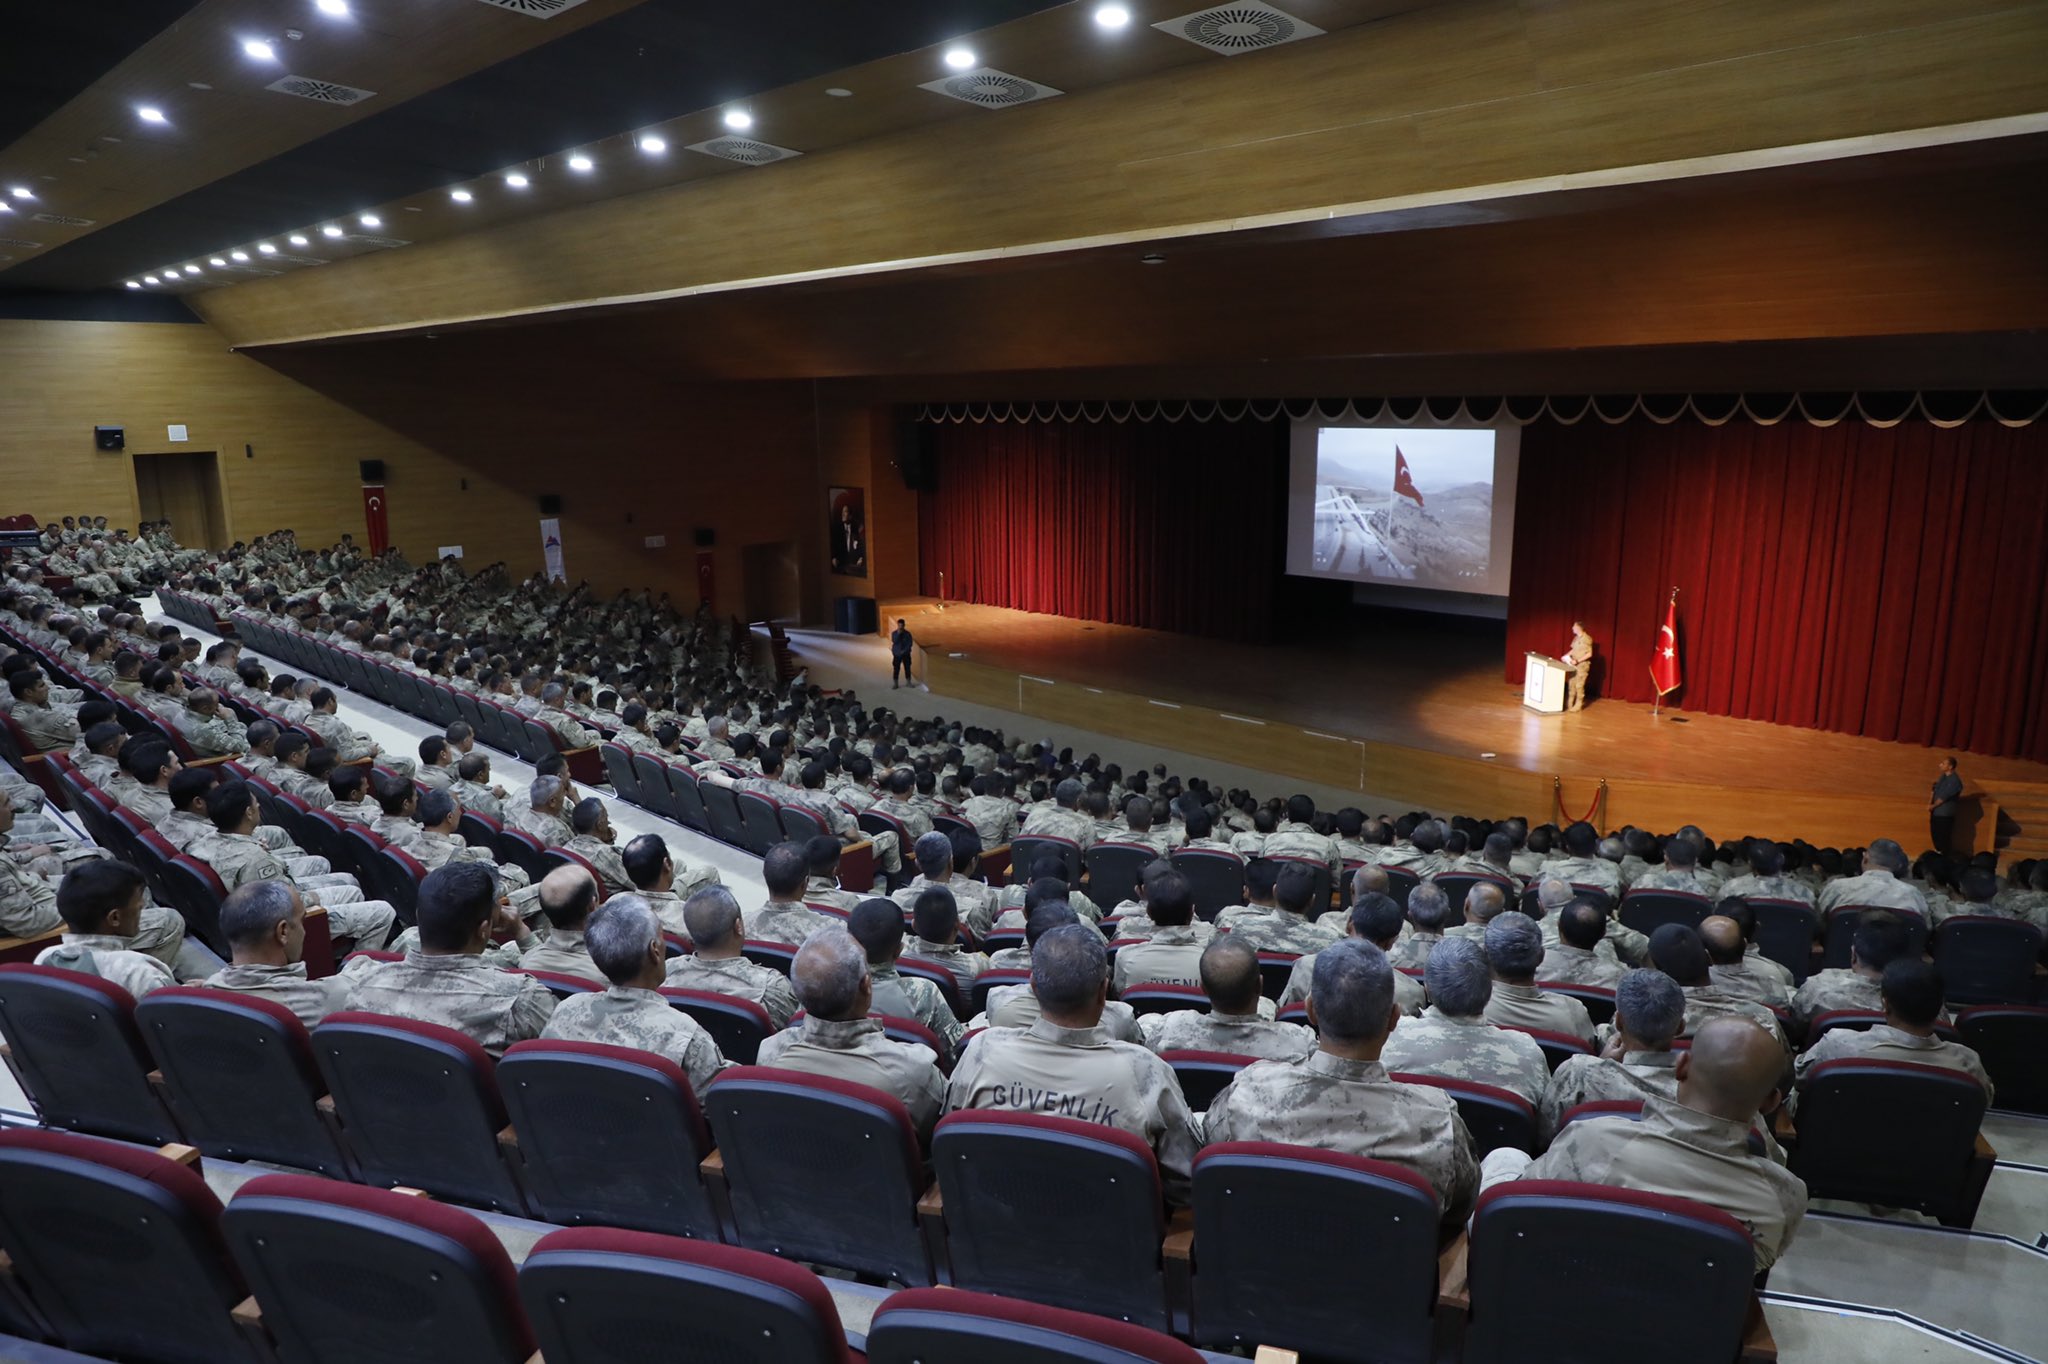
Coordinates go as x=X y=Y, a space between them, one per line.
x=1404 y=505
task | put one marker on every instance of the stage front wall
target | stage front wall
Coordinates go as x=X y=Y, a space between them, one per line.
x=1169 y=525
x=1888 y=582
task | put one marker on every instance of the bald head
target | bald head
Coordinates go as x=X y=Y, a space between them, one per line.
x=1554 y=894
x=1732 y=1069
x=1230 y=975
x=1483 y=902
x=830 y=974
x=1368 y=881
x=1723 y=939
x=567 y=895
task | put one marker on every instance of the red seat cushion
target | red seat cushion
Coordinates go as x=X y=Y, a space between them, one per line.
x=1310 y=1155
x=428 y=1032
x=115 y=995
x=1136 y=1341
x=181 y=1182
x=1609 y=1193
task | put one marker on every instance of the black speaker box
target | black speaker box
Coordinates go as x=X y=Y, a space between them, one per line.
x=109 y=438
x=550 y=504
x=706 y=537
x=372 y=470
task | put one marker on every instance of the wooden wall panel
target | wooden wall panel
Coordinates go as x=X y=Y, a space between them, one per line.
x=1430 y=103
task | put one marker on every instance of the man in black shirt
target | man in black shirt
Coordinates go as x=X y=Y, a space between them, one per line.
x=899 y=654
x=1941 y=801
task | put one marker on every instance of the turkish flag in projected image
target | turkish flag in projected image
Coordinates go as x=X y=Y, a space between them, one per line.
x=1404 y=482
x=375 y=520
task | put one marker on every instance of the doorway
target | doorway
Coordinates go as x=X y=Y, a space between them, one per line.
x=773 y=589
x=184 y=489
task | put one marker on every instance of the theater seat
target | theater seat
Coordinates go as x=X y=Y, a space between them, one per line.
x=599 y=1296
x=1894 y=1133
x=1558 y=1047
x=854 y=1208
x=554 y=858
x=1286 y=1241
x=1113 y=867
x=1670 y=1275
x=1204 y=1074
x=927 y=1325
x=1054 y=1211
x=1646 y=911
x=738 y=1026
x=1984 y=959
x=1215 y=876
x=995 y=979
x=242 y=1079
x=351 y=1275
x=1026 y=849
x=1598 y=999
x=1494 y=1116
x=948 y=984
x=2010 y=1040
x=419 y=1106
x=1275 y=970
x=72 y=1043
x=608 y=1136
x=120 y=1249
x=1157 y=998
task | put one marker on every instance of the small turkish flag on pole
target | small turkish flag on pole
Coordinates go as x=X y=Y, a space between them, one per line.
x=1403 y=484
x=1664 y=662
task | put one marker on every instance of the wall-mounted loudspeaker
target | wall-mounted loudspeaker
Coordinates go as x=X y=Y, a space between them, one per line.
x=706 y=537
x=917 y=452
x=109 y=438
x=372 y=470
x=550 y=504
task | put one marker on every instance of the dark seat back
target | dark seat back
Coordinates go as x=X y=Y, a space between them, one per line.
x=420 y=1107
x=1025 y=851
x=74 y=1045
x=760 y=821
x=925 y=1325
x=689 y=797
x=522 y=850
x=196 y=893
x=801 y=822
x=722 y=810
x=608 y=1136
x=1157 y=997
x=1458 y=884
x=120 y=1249
x=2010 y=1040
x=1984 y=959
x=1016 y=1185
x=1400 y=881
x=1113 y=868
x=948 y=984
x=1661 y=1260
x=1216 y=877
x=1204 y=1074
x=1927 y=1156
x=1494 y=1116
x=442 y=1285
x=1284 y=1236
x=598 y=1296
x=989 y=981
x=618 y=766
x=1558 y=1047
x=397 y=874
x=1840 y=929
x=1646 y=911
x=242 y=1079
x=738 y=1026
x=1785 y=932
x=650 y=779
x=856 y=1211
x=1598 y=999
x=1275 y=970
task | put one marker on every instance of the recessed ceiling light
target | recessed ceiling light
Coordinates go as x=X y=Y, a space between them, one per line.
x=217 y=262
x=337 y=8
x=266 y=248
x=460 y=196
x=739 y=120
x=1113 y=16
x=238 y=255
x=259 y=49
x=330 y=231
x=21 y=191
x=133 y=284
x=198 y=85
x=653 y=144
x=149 y=113
x=370 y=220
x=298 y=239
x=838 y=91
x=190 y=270
x=150 y=278
x=517 y=181
x=6 y=207
x=580 y=163
x=960 y=58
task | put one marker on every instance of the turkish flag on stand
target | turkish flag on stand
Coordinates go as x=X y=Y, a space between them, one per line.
x=1403 y=484
x=1664 y=662
x=374 y=518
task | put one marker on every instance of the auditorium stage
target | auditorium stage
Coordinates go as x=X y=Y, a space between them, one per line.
x=1414 y=713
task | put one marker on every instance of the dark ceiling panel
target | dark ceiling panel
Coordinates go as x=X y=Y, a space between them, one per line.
x=654 y=62
x=52 y=51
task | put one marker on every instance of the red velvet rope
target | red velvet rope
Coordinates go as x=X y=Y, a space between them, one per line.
x=1564 y=818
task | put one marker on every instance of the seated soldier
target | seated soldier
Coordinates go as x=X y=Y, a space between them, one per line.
x=1067 y=1065
x=1879 y=940
x=1514 y=949
x=352 y=799
x=1284 y=926
x=1376 y=918
x=1576 y=958
x=895 y=994
x=1015 y=1006
x=1340 y=1097
x=567 y=897
x=1429 y=918
x=1238 y=1020
x=303 y=770
x=711 y=920
x=28 y=902
x=444 y=979
x=1695 y=1146
x=624 y=941
x=1452 y=1037
x=1637 y=1061
x=941 y=861
x=1735 y=967
x=437 y=763
x=935 y=921
x=1483 y=903
x=398 y=802
x=238 y=857
x=841 y=1041
x=785 y=918
x=1678 y=951
x=1172 y=954
x=265 y=925
x=101 y=903
x=1911 y=990
x=593 y=842
x=540 y=817
x=822 y=886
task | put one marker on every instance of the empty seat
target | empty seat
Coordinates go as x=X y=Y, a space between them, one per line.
x=722 y=810
x=395 y=877
x=419 y=1106
x=196 y=892
x=73 y=1044
x=856 y=1209
x=1893 y=1133
x=1984 y=959
x=738 y=1026
x=1670 y=1271
x=1215 y=876
x=1204 y=1074
x=760 y=821
x=351 y=1275
x=608 y=1136
x=1494 y=1116
x=1286 y=1240
x=928 y=1325
x=2010 y=1040
x=120 y=1249
x=1113 y=868
x=242 y=1080
x=618 y=767
x=1646 y=911
x=599 y=1296
x=1054 y=1211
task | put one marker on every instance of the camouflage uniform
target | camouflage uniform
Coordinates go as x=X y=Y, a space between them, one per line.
x=1271 y=929
x=1678 y=1152
x=1589 y=1079
x=1402 y=857
x=1587 y=871
x=238 y=859
x=860 y=1052
x=994 y=818
x=899 y=996
x=110 y=958
x=1412 y=951
x=28 y=903
x=311 y=1000
x=738 y=977
x=549 y=829
x=1875 y=887
x=1408 y=991
x=668 y=907
x=1839 y=987
x=213 y=735
x=962 y=964
x=974 y=899
x=1883 y=1042
x=1133 y=924
x=1087 y=1075
x=1468 y=1049
x=362 y=810
x=478 y=797
x=1171 y=956
x=313 y=791
x=1290 y=839
x=825 y=890
x=1704 y=1002
x=1356 y=1108
x=436 y=850
x=1745 y=980
x=563 y=951
x=46 y=729
x=348 y=744
x=1691 y=881
x=622 y=1016
x=1768 y=888
x=1057 y=821
x=611 y=868
x=1564 y=964
x=1234 y=1034
x=1016 y=1006
x=566 y=727
x=1525 y=1006
x=916 y=820
x=496 y=1008
x=786 y=921
x=1621 y=942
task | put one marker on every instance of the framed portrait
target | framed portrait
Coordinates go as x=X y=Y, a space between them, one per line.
x=848 y=543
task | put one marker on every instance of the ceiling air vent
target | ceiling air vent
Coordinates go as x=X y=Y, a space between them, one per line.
x=18 y=242
x=62 y=220
x=745 y=150
x=989 y=88
x=326 y=92
x=1243 y=27
x=536 y=9
x=386 y=243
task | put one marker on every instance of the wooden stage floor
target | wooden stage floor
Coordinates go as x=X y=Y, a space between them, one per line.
x=1415 y=690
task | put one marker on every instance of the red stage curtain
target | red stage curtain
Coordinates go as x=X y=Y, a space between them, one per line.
x=1171 y=525
x=1889 y=582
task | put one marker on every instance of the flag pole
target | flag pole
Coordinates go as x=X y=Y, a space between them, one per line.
x=1657 y=705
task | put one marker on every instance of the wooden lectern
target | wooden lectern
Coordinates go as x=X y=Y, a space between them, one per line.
x=1543 y=684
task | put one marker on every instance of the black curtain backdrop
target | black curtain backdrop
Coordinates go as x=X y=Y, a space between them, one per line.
x=1170 y=525
x=1888 y=582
